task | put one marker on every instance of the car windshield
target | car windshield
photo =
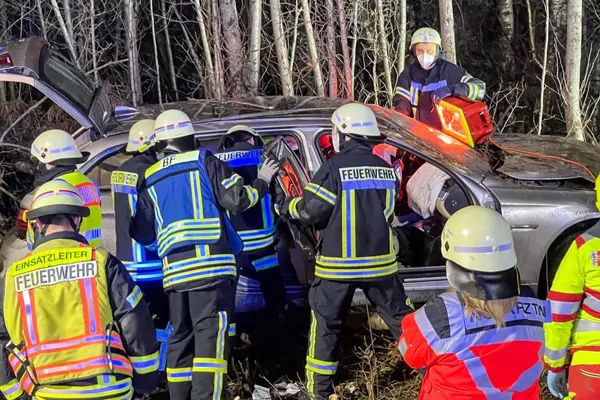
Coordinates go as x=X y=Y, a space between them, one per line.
x=56 y=72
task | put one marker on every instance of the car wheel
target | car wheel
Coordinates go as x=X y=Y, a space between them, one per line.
x=552 y=262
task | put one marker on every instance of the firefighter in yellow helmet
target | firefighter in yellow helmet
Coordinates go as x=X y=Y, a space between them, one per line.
x=430 y=79
x=575 y=327
x=58 y=157
x=74 y=324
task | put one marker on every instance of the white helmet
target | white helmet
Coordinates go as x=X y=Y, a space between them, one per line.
x=356 y=119
x=57 y=147
x=172 y=124
x=481 y=259
x=141 y=136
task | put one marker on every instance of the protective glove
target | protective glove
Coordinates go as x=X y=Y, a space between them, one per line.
x=441 y=93
x=557 y=383
x=268 y=170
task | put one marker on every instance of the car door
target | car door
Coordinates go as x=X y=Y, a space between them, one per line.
x=292 y=179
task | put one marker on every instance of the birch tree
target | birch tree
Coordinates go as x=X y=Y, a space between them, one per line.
x=447 y=30
x=312 y=49
x=331 y=53
x=255 y=24
x=345 y=50
x=506 y=17
x=573 y=78
x=402 y=36
x=385 y=49
x=233 y=45
x=131 y=32
x=281 y=49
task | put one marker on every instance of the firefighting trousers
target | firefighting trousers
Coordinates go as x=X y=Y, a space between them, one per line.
x=263 y=266
x=156 y=298
x=329 y=302
x=198 y=347
x=584 y=382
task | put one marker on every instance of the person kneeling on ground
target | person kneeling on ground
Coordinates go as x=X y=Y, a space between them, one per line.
x=479 y=340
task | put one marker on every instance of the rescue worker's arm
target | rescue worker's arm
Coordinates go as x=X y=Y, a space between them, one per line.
x=318 y=201
x=135 y=324
x=229 y=188
x=465 y=84
x=565 y=300
x=416 y=350
x=9 y=386
x=401 y=101
x=141 y=228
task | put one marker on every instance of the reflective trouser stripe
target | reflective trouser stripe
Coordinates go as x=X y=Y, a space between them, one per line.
x=220 y=355
x=116 y=390
x=11 y=390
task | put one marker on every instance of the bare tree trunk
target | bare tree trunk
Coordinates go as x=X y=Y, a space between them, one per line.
x=544 y=67
x=212 y=77
x=384 y=47
x=155 y=52
x=68 y=37
x=402 y=37
x=312 y=49
x=531 y=27
x=281 y=48
x=217 y=48
x=298 y=10
x=447 y=30
x=93 y=39
x=68 y=18
x=255 y=24
x=40 y=11
x=345 y=49
x=507 y=22
x=354 y=39
x=169 y=50
x=233 y=45
x=132 y=52
x=573 y=111
x=331 y=53
x=190 y=44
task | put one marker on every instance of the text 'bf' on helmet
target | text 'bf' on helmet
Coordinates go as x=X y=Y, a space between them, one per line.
x=57 y=147
x=481 y=259
x=56 y=197
x=141 y=136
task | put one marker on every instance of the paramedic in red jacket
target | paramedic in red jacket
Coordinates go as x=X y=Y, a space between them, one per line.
x=480 y=340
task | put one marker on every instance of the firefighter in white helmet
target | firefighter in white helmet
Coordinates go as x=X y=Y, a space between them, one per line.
x=482 y=333
x=183 y=207
x=351 y=201
x=58 y=156
x=430 y=79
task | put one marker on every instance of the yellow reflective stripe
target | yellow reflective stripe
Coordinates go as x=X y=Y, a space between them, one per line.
x=585 y=357
x=11 y=390
x=466 y=78
x=175 y=375
x=323 y=193
x=134 y=297
x=197 y=274
x=356 y=261
x=193 y=193
x=312 y=339
x=252 y=195
x=145 y=364
x=115 y=389
x=320 y=366
x=403 y=92
x=209 y=365
x=294 y=214
x=355 y=273
x=154 y=197
x=555 y=363
x=232 y=329
x=220 y=355
x=389 y=204
x=229 y=182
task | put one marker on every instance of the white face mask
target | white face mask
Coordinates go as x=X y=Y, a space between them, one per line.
x=335 y=139
x=426 y=61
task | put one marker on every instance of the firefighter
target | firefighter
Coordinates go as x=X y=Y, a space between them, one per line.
x=74 y=324
x=575 y=326
x=431 y=79
x=143 y=263
x=58 y=157
x=185 y=195
x=481 y=334
x=241 y=148
x=351 y=201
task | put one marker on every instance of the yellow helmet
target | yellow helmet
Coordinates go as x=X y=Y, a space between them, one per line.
x=425 y=35
x=481 y=258
x=141 y=136
x=56 y=197
x=57 y=147
x=172 y=124
x=356 y=119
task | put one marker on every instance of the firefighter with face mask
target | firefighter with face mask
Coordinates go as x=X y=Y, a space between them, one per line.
x=351 y=201
x=431 y=79
x=143 y=263
x=74 y=324
x=575 y=327
x=58 y=156
x=480 y=340
x=183 y=207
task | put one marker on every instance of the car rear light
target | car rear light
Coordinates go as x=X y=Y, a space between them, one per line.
x=5 y=60
x=21 y=224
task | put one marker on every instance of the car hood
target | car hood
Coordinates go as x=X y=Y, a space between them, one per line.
x=521 y=162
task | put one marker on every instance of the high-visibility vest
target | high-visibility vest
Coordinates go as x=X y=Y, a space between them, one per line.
x=59 y=318
x=91 y=226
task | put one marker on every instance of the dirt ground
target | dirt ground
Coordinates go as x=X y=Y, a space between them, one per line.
x=370 y=366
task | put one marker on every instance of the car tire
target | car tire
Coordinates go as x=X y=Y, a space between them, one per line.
x=552 y=262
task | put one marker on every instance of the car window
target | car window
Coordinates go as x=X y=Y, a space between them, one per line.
x=101 y=172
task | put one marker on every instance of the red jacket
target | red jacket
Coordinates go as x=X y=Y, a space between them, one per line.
x=468 y=358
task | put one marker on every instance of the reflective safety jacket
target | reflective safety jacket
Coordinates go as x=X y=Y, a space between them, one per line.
x=78 y=326
x=351 y=201
x=186 y=194
x=256 y=226
x=415 y=86
x=575 y=301
x=468 y=358
x=91 y=226
x=143 y=264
